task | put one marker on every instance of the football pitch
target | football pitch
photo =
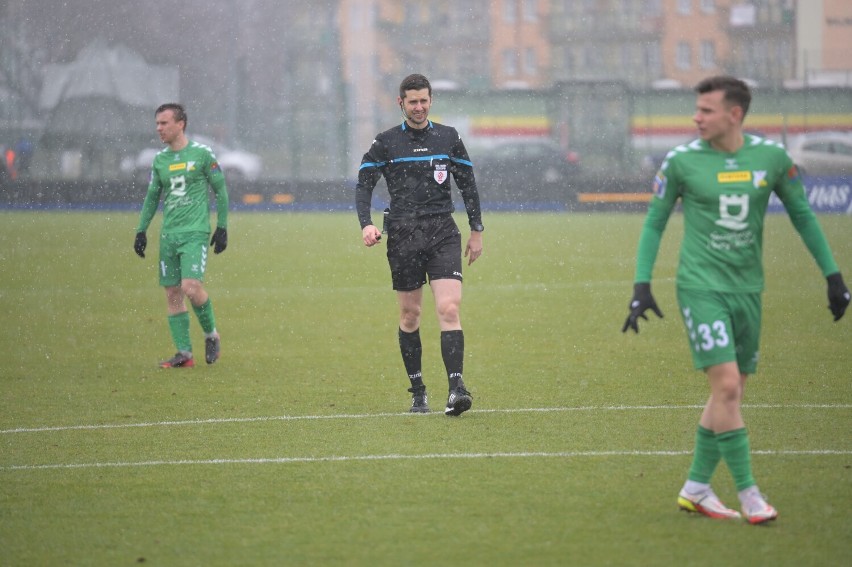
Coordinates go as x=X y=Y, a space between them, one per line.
x=296 y=447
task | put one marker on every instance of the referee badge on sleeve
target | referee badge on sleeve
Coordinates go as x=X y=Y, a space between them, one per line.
x=440 y=173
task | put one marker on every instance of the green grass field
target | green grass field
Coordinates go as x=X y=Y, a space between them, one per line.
x=296 y=448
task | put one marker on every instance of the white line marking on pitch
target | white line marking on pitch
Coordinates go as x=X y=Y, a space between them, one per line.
x=406 y=414
x=394 y=457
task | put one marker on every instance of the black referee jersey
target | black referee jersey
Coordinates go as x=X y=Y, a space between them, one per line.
x=417 y=165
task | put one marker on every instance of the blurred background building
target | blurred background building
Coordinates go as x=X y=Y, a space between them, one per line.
x=306 y=85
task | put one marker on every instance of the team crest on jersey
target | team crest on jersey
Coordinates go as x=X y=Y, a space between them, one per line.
x=759 y=179
x=215 y=166
x=440 y=173
x=190 y=166
x=793 y=173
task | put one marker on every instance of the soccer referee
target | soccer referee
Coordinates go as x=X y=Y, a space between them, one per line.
x=417 y=159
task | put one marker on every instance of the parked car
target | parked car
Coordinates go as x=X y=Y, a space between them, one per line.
x=236 y=164
x=822 y=153
x=533 y=169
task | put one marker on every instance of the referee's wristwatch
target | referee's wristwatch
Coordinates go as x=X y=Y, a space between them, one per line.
x=477 y=227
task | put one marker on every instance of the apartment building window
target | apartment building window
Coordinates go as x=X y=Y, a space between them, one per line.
x=510 y=7
x=653 y=8
x=410 y=13
x=626 y=54
x=708 y=6
x=653 y=59
x=530 y=10
x=707 y=55
x=568 y=65
x=760 y=51
x=684 y=7
x=530 y=61
x=683 y=56
x=354 y=19
x=592 y=59
x=510 y=63
x=474 y=67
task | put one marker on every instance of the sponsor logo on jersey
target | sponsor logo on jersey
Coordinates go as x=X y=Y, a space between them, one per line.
x=177 y=166
x=727 y=241
x=440 y=173
x=733 y=212
x=733 y=176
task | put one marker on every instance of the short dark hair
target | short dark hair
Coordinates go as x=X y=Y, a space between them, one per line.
x=414 y=82
x=736 y=91
x=177 y=109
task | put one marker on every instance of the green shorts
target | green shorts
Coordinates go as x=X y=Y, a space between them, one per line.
x=182 y=256
x=722 y=327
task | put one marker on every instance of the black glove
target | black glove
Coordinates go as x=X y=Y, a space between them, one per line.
x=220 y=240
x=140 y=244
x=641 y=302
x=838 y=295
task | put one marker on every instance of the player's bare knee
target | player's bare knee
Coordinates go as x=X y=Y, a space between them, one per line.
x=192 y=288
x=448 y=312
x=409 y=319
x=726 y=388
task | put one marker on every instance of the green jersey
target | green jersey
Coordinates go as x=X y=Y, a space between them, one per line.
x=181 y=178
x=724 y=198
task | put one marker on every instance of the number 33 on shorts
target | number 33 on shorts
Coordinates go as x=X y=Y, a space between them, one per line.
x=706 y=336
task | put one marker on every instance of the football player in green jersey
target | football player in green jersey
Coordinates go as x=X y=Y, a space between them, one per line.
x=724 y=180
x=180 y=174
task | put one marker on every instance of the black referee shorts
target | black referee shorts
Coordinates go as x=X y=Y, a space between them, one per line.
x=424 y=247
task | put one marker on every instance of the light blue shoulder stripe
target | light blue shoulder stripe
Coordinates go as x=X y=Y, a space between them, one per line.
x=420 y=158
x=372 y=164
x=415 y=158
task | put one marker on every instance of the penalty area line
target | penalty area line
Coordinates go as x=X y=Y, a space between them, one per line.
x=395 y=457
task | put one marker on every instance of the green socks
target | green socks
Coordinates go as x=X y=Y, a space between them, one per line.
x=734 y=447
x=710 y=448
x=206 y=317
x=706 y=456
x=179 y=327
